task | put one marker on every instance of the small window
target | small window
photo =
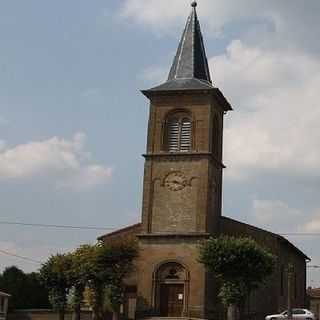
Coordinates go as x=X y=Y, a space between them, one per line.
x=178 y=135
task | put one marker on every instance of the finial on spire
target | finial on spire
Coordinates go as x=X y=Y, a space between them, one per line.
x=194 y=4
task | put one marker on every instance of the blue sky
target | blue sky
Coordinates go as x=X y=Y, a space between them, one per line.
x=73 y=122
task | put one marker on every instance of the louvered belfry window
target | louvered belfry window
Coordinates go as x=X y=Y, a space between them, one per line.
x=179 y=133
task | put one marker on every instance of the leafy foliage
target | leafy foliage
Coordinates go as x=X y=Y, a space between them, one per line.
x=25 y=289
x=55 y=276
x=240 y=263
x=114 y=262
x=101 y=268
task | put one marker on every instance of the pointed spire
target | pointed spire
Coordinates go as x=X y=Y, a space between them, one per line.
x=190 y=70
x=191 y=61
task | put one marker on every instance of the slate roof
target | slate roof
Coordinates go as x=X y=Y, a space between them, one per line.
x=183 y=84
x=191 y=60
x=190 y=70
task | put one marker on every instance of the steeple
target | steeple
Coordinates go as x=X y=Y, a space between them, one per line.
x=191 y=60
x=190 y=70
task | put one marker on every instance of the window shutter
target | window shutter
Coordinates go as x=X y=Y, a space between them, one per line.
x=173 y=135
x=186 y=135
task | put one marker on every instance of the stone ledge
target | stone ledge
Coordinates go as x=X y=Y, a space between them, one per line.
x=175 y=235
x=173 y=156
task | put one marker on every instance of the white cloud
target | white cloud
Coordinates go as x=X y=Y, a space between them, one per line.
x=270 y=78
x=66 y=162
x=166 y=14
x=313 y=225
x=276 y=119
x=288 y=22
x=276 y=216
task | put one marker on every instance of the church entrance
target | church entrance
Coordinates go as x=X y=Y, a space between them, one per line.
x=171 y=290
x=171 y=300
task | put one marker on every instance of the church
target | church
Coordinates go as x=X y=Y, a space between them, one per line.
x=182 y=202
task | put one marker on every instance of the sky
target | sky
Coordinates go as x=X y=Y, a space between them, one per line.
x=73 y=122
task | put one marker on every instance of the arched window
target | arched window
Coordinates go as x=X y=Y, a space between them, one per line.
x=178 y=135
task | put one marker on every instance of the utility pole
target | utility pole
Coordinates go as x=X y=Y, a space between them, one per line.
x=290 y=276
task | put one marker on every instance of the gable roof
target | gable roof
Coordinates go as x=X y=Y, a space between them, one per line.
x=136 y=229
x=130 y=230
x=275 y=235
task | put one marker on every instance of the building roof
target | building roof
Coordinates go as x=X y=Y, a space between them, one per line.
x=136 y=229
x=275 y=235
x=133 y=229
x=191 y=60
x=313 y=292
x=3 y=294
x=190 y=69
x=183 y=84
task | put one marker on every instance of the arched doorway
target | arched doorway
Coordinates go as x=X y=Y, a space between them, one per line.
x=171 y=290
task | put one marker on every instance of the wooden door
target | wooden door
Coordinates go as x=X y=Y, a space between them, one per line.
x=171 y=300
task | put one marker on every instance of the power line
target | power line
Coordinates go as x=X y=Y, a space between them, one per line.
x=301 y=234
x=58 y=226
x=55 y=226
x=20 y=257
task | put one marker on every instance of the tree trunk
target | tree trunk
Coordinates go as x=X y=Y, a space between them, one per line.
x=78 y=298
x=233 y=312
x=96 y=314
x=61 y=314
x=97 y=307
x=77 y=311
x=115 y=315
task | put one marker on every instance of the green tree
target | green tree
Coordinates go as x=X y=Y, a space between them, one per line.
x=37 y=296
x=241 y=265
x=119 y=257
x=105 y=269
x=54 y=275
x=25 y=289
x=83 y=271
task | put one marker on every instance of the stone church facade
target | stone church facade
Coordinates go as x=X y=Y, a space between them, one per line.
x=182 y=199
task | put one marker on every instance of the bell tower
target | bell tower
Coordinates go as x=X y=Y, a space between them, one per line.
x=182 y=183
x=183 y=162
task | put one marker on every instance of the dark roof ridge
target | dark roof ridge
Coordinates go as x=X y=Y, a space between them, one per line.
x=278 y=236
x=124 y=229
